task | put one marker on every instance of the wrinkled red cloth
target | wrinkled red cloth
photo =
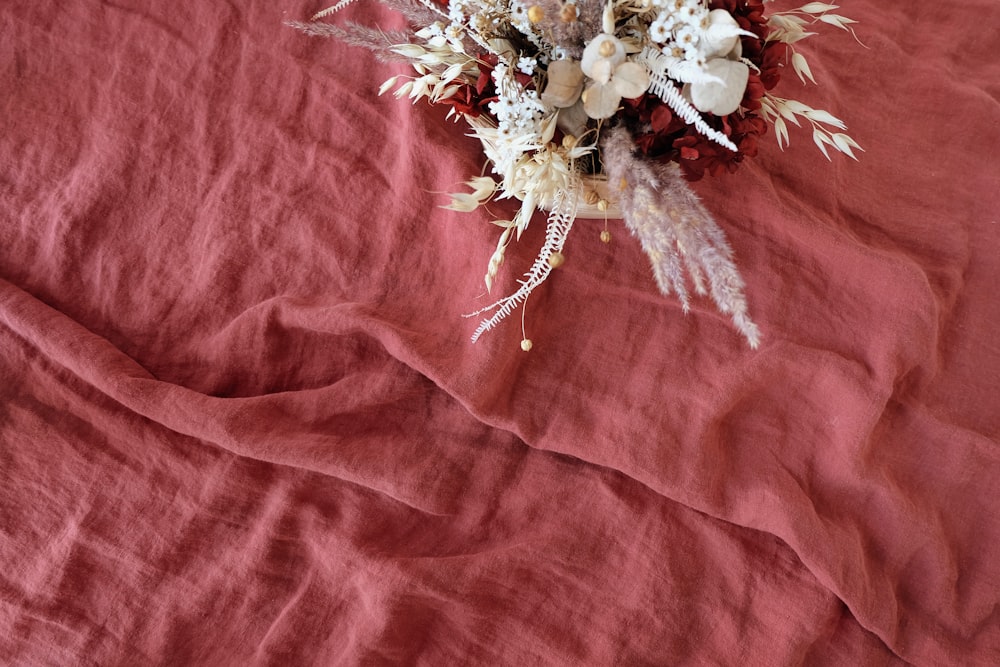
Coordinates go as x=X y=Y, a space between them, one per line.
x=241 y=420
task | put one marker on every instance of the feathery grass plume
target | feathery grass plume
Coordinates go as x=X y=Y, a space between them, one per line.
x=416 y=13
x=380 y=42
x=676 y=229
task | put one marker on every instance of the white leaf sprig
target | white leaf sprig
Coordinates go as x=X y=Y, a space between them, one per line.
x=790 y=27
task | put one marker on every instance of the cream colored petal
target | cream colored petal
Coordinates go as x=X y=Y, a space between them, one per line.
x=721 y=35
x=564 y=85
x=601 y=71
x=721 y=98
x=593 y=53
x=600 y=101
x=631 y=80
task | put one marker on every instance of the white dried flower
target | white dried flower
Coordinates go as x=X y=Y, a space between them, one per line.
x=526 y=65
x=613 y=77
x=660 y=30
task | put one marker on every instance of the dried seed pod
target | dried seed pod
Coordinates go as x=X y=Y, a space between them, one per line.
x=569 y=13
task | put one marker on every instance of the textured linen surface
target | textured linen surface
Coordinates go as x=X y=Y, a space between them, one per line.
x=241 y=421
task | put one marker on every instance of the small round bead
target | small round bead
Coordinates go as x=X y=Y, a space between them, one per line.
x=569 y=13
x=556 y=260
x=605 y=236
x=602 y=205
x=535 y=13
x=591 y=197
x=526 y=344
x=606 y=49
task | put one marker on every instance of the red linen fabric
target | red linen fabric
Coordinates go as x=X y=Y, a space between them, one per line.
x=241 y=421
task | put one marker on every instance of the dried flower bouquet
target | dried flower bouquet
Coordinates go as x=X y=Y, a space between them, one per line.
x=605 y=108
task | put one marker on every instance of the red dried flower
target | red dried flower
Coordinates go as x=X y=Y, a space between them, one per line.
x=660 y=134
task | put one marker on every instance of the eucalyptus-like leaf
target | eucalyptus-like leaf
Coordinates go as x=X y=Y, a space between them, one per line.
x=564 y=85
x=600 y=100
x=631 y=80
x=721 y=99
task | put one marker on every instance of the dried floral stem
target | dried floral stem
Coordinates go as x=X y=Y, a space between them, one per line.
x=377 y=41
x=778 y=110
x=557 y=230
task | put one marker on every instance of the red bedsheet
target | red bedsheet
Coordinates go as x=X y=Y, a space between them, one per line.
x=241 y=421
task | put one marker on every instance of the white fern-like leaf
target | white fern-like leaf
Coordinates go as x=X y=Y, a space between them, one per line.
x=660 y=64
x=557 y=230
x=663 y=88
x=330 y=10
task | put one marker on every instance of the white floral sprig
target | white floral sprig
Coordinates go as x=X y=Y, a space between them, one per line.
x=778 y=110
x=560 y=222
x=678 y=233
x=790 y=27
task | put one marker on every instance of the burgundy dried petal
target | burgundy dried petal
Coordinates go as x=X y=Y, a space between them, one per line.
x=661 y=118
